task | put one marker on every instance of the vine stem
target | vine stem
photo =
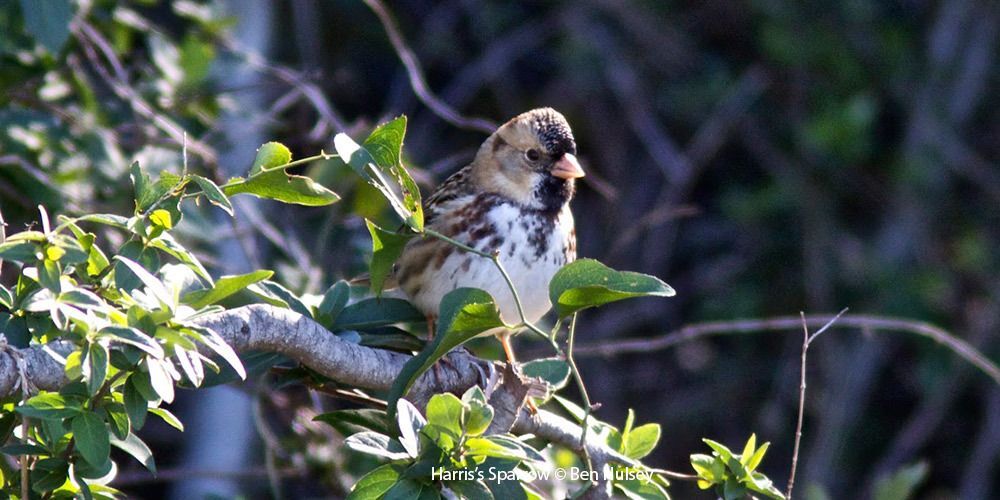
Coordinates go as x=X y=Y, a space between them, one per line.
x=323 y=155
x=495 y=257
x=588 y=408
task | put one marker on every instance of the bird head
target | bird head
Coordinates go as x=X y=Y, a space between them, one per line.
x=531 y=159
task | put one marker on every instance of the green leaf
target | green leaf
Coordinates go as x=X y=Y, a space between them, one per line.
x=732 y=490
x=271 y=155
x=23 y=449
x=81 y=298
x=82 y=471
x=464 y=314
x=153 y=284
x=54 y=253
x=588 y=283
x=390 y=338
x=47 y=21
x=352 y=421
x=96 y=367
x=373 y=313
x=118 y=419
x=169 y=418
x=35 y=236
x=491 y=447
x=138 y=449
x=49 y=406
x=280 y=296
x=703 y=466
x=572 y=408
x=640 y=441
x=636 y=488
x=147 y=192
x=380 y=156
x=511 y=441
x=748 y=449
x=373 y=485
x=555 y=371
x=161 y=218
x=385 y=144
x=629 y=423
x=480 y=413
x=167 y=244
x=386 y=249
x=334 y=300
x=49 y=474
x=901 y=484
x=446 y=412
x=217 y=344
x=160 y=379
x=281 y=186
x=470 y=490
x=214 y=195
x=92 y=438
x=135 y=404
x=761 y=484
x=374 y=443
x=506 y=490
x=48 y=275
x=724 y=453
x=758 y=455
x=107 y=219
x=224 y=287
x=19 y=251
x=410 y=422
x=69 y=249
x=133 y=337
x=408 y=489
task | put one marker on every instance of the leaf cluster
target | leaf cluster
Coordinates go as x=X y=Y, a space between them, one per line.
x=446 y=451
x=734 y=476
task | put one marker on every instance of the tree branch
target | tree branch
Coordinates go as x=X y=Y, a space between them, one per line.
x=416 y=75
x=267 y=328
x=643 y=345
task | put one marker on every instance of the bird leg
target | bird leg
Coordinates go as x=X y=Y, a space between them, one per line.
x=509 y=352
x=430 y=327
x=444 y=360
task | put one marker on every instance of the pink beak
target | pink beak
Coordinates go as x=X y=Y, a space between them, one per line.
x=567 y=167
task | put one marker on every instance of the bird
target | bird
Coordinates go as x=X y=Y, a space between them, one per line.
x=511 y=201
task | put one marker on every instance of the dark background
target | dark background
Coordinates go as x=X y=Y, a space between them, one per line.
x=763 y=157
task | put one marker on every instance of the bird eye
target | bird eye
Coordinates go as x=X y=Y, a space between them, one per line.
x=533 y=154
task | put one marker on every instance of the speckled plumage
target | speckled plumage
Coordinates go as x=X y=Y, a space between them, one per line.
x=503 y=201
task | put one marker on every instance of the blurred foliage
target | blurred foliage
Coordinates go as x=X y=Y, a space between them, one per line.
x=765 y=157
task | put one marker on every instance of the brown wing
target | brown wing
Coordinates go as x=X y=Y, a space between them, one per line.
x=453 y=187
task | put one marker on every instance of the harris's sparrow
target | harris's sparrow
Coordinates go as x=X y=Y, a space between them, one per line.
x=512 y=199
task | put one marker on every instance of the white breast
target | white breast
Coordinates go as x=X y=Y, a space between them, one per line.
x=532 y=248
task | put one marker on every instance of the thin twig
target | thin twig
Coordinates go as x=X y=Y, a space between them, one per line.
x=690 y=332
x=91 y=40
x=271 y=443
x=416 y=75
x=588 y=407
x=3 y=238
x=806 y=340
x=802 y=406
x=327 y=113
x=675 y=475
